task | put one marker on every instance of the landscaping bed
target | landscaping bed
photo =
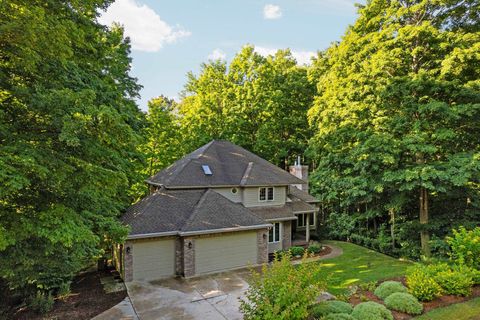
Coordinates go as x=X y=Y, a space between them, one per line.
x=86 y=300
x=362 y=295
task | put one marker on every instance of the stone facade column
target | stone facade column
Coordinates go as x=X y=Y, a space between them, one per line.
x=287 y=235
x=178 y=256
x=262 y=245
x=188 y=257
x=307 y=229
x=128 y=258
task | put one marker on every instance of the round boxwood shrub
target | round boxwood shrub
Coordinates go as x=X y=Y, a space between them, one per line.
x=371 y=311
x=338 y=316
x=404 y=302
x=297 y=251
x=330 y=307
x=388 y=287
x=314 y=248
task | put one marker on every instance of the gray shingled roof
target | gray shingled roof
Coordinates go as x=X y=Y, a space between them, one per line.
x=274 y=213
x=302 y=195
x=177 y=211
x=230 y=164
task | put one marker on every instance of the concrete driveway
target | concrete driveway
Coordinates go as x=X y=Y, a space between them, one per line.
x=209 y=297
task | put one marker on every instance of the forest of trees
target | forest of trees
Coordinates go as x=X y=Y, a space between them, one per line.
x=388 y=119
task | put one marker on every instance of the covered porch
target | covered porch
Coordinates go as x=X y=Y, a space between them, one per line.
x=302 y=227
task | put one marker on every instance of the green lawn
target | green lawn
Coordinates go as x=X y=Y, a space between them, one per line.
x=358 y=264
x=469 y=310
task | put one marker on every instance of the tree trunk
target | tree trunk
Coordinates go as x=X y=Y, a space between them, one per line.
x=424 y=234
x=392 y=227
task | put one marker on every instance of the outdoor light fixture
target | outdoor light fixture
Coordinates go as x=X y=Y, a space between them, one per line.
x=190 y=245
x=264 y=236
x=128 y=250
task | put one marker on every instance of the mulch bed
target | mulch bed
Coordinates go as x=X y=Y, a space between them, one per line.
x=443 y=301
x=326 y=250
x=86 y=300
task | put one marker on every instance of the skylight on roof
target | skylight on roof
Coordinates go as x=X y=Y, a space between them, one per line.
x=206 y=170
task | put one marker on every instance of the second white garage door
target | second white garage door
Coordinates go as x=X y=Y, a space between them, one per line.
x=226 y=252
x=153 y=259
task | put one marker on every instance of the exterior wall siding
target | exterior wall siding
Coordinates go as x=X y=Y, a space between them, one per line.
x=227 y=193
x=250 y=197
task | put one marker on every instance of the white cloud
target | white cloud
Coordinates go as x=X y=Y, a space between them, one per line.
x=217 y=54
x=302 y=57
x=271 y=11
x=143 y=25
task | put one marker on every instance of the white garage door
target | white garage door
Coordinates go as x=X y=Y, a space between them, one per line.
x=153 y=259
x=225 y=252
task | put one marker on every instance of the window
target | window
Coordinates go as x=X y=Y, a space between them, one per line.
x=274 y=233
x=302 y=219
x=265 y=194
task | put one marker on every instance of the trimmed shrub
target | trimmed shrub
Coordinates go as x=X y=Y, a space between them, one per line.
x=465 y=247
x=63 y=290
x=371 y=311
x=328 y=307
x=421 y=284
x=404 y=302
x=455 y=282
x=297 y=251
x=338 y=316
x=41 y=302
x=314 y=249
x=388 y=287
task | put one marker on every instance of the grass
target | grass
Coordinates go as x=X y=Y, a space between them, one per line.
x=358 y=264
x=469 y=310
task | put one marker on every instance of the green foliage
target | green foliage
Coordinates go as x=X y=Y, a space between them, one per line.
x=334 y=306
x=395 y=119
x=421 y=284
x=368 y=286
x=404 y=302
x=454 y=282
x=371 y=311
x=63 y=290
x=314 y=249
x=257 y=102
x=282 y=291
x=41 y=303
x=297 y=251
x=69 y=131
x=338 y=316
x=387 y=288
x=465 y=247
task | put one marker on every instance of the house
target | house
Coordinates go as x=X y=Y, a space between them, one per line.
x=219 y=208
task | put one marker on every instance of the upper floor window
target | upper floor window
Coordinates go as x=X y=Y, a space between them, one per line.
x=265 y=194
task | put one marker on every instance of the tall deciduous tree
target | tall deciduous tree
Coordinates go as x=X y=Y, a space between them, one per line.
x=398 y=108
x=257 y=102
x=68 y=133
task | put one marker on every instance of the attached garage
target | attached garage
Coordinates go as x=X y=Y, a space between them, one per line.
x=224 y=252
x=153 y=259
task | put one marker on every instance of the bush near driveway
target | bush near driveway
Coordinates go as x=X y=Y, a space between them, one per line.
x=371 y=311
x=404 y=302
x=388 y=287
x=282 y=291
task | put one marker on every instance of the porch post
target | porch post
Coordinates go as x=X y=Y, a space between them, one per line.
x=307 y=231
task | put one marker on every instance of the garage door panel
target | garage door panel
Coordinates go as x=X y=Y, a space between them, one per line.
x=225 y=252
x=153 y=259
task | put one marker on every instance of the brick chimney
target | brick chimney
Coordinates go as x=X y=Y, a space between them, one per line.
x=300 y=172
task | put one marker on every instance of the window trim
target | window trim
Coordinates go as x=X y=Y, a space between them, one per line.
x=266 y=194
x=272 y=229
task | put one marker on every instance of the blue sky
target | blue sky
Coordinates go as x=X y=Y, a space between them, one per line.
x=171 y=38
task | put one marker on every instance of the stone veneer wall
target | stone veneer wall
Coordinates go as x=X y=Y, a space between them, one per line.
x=188 y=257
x=178 y=256
x=262 y=244
x=128 y=258
x=287 y=235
